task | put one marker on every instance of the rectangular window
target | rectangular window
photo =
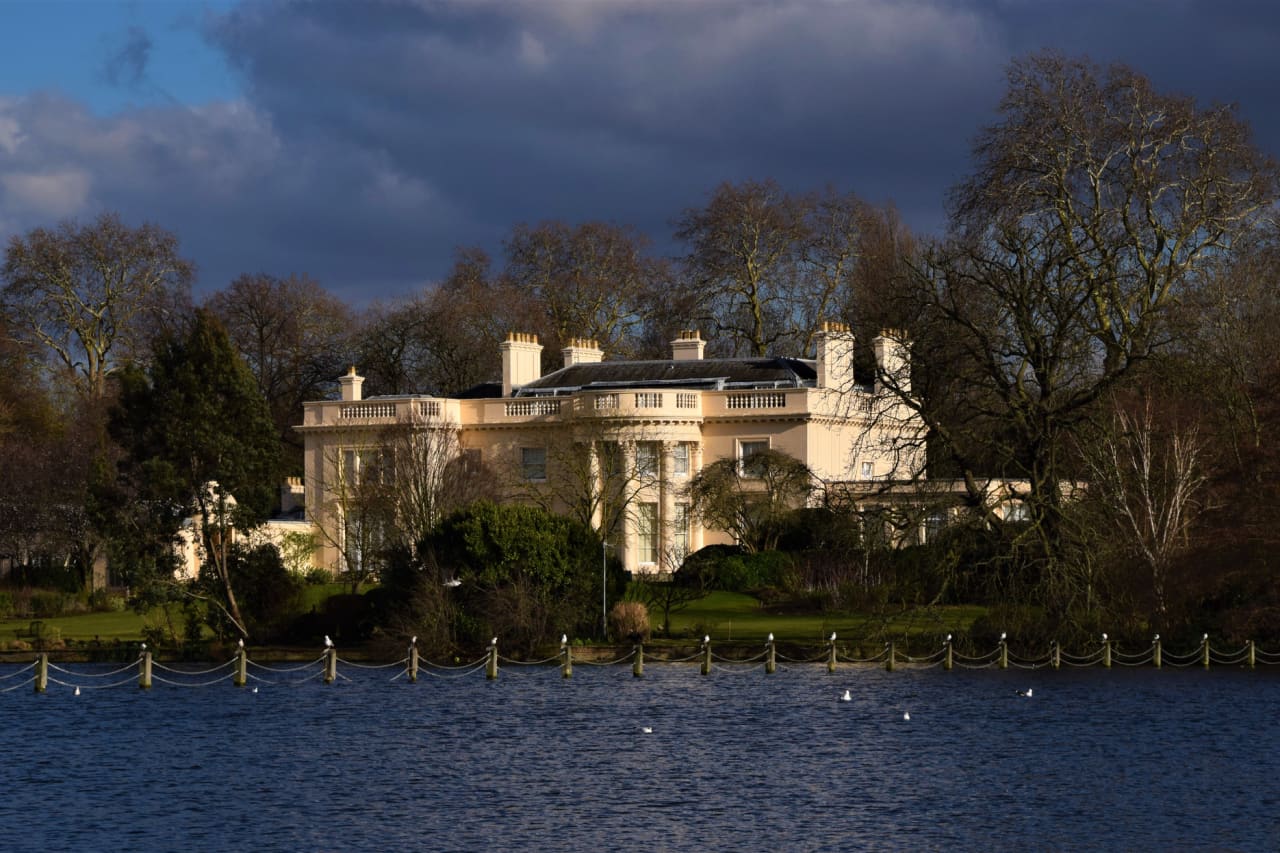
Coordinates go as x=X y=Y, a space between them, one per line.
x=647 y=532
x=610 y=459
x=533 y=463
x=646 y=459
x=680 y=532
x=747 y=449
x=680 y=460
x=366 y=466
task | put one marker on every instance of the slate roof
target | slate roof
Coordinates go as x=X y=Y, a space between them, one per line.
x=702 y=373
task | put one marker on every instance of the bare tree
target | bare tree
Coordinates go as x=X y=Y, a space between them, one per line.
x=750 y=498
x=430 y=475
x=1095 y=200
x=743 y=258
x=292 y=334
x=769 y=267
x=1146 y=473
x=593 y=472
x=591 y=280
x=91 y=294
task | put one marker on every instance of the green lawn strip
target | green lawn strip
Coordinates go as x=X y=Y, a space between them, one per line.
x=733 y=617
x=117 y=625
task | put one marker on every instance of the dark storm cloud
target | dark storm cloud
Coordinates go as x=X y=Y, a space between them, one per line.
x=375 y=137
x=127 y=64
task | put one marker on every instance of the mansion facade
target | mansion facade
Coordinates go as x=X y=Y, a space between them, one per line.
x=616 y=442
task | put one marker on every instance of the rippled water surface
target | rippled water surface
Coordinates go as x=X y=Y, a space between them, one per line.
x=1115 y=760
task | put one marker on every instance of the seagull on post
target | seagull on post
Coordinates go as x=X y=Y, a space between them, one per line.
x=328 y=644
x=564 y=639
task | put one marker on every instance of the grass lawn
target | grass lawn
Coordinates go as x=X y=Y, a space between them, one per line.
x=730 y=616
x=126 y=625
x=122 y=625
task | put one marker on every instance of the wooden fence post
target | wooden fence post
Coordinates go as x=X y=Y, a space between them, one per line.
x=946 y=660
x=144 y=674
x=1055 y=652
x=706 y=655
x=770 y=658
x=42 y=673
x=831 y=653
x=1004 y=652
x=242 y=667
x=888 y=661
x=566 y=661
x=1252 y=654
x=1155 y=651
x=637 y=665
x=413 y=661
x=1204 y=644
x=1106 y=651
x=491 y=667
x=330 y=665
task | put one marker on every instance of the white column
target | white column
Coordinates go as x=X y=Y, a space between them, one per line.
x=667 y=502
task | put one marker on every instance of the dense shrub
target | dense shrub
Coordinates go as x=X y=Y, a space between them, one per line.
x=629 y=620
x=748 y=572
x=730 y=568
x=46 y=604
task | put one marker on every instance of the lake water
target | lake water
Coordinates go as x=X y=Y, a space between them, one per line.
x=1136 y=759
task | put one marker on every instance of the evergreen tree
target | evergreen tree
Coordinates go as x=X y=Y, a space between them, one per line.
x=199 y=442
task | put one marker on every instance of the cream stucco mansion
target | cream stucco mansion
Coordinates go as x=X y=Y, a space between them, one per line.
x=631 y=432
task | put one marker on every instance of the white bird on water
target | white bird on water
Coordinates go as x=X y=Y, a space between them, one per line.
x=647 y=729
x=77 y=693
x=255 y=690
x=906 y=715
x=847 y=697
x=1026 y=692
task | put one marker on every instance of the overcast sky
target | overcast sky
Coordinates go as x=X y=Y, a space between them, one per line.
x=362 y=142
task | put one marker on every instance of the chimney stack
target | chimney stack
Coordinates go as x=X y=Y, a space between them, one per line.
x=350 y=385
x=893 y=360
x=582 y=351
x=835 y=345
x=521 y=361
x=688 y=346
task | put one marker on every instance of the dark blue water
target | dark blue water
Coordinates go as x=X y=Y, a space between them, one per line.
x=1095 y=760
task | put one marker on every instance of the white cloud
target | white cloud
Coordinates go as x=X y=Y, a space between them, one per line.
x=57 y=194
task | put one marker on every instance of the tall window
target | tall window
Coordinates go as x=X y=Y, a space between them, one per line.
x=680 y=460
x=646 y=459
x=366 y=465
x=611 y=458
x=533 y=463
x=680 y=531
x=746 y=449
x=647 y=532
